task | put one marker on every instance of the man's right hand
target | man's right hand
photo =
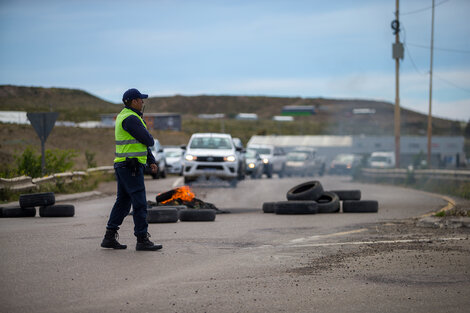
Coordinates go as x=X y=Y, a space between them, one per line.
x=154 y=168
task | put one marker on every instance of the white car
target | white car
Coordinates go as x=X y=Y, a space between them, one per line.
x=274 y=159
x=174 y=160
x=211 y=155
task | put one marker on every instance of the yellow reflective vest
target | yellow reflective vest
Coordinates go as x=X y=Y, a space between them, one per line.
x=126 y=145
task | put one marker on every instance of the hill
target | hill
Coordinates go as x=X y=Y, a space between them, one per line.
x=72 y=104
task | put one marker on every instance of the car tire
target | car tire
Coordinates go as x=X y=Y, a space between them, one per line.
x=18 y=211
x=163 y=174
x=328 y=203
x=296 y=207
x=197 y=215
x=162 y=215
x=233 y=183
x=58 y=210
x=37 y=199
x=360 y=206
x=188 y=181
x=269 y=172
x=347 y=194
x=311 y=190
x=281 y=173
x=268 y=207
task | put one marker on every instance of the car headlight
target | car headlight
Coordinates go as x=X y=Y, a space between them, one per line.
x=190 y=157
x=265 y=161
x=230 y=158
x=251 y=165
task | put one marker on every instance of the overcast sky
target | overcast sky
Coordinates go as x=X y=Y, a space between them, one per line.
x=330 y=49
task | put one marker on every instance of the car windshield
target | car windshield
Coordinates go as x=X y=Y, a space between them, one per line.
x=297 y=156
x=345 y=158
x=251 y=154
x=210 y=143
x=173 y=154
x=380 y=159
x=262 y=150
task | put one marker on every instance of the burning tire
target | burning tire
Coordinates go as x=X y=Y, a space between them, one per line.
x=268 y=207
x=18 y=212
x=37 y=199
x=58 y=210
x=197 y=215
x=311 y=190
x=348 y=194
x=162 y=215
x=328 y=203
x=360 y=206
x=296 y=207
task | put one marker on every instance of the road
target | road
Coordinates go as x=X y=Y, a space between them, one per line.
x=245 y=261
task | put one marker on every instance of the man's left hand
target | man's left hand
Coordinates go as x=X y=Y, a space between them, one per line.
x=154 y=168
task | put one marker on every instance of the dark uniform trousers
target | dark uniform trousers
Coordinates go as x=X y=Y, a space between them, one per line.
x=130 y=190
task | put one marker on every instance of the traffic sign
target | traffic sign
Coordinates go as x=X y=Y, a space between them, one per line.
x=43 y=123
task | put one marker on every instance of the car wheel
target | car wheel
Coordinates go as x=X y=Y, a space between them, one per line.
x=163 y=174
x=348 y=194
x=233 y=183
x=187 y=180
x=58 y=210
x=295 y=207
x=269 y=172
x=311 y=190
x=18 y=211
x=37 y=199
x=360 y=206
x=328 y=203
x=154 y=176
x=268 y=207
x=162 y=215
x=281 y=173
x=197 y=215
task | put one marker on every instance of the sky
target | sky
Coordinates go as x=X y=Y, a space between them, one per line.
x=289 y=48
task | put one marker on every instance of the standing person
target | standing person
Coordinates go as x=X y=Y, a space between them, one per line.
x=132 y=154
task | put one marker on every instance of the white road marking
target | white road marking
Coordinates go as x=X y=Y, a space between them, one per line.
x=177 y=182
x=304 y=239
x=376 y=242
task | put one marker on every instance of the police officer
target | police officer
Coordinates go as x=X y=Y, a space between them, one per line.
x=132 y=154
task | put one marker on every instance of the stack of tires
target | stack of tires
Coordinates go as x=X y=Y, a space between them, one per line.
x=310 y=198
x=46 y=203
x=171 y=214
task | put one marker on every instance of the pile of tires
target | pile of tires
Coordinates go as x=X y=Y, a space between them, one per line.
x=171 y=214
x=311 y=198
x=46 y=203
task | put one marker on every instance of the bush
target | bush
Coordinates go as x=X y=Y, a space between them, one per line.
x=57 y=161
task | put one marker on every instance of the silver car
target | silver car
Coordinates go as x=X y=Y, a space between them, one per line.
x=174 y=160
x=254 y=164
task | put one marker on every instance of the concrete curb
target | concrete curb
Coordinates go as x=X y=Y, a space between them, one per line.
x=444 y=222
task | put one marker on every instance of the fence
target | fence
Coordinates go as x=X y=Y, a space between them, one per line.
x=27 y=183
x=401 y=175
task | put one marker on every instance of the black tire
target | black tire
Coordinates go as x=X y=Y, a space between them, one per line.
x=268 y=207
x=295 y=207
x=154 y=176
x=328 y=203
x=269 y=172
x=360 y=206
x=281 y=174
x=58 y=210
x=162 y=215
x=37 y=199
x=197 y=215
x=311 y=190
x=19 y=212
x=188 y=181
x=348 y=194
x=163 y=174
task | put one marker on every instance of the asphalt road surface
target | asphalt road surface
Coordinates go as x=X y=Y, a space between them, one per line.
x=244 y=261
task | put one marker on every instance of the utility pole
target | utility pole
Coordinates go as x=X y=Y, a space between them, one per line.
x=430 y=91
x=397 y=55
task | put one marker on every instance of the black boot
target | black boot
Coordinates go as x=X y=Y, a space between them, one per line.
x=110 y=240
x=144 y=244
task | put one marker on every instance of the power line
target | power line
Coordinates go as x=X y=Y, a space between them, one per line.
x=436 y=48
x=424 y=9
x=452 y=84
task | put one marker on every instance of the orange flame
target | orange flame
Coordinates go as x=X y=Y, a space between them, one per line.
x=183 y=193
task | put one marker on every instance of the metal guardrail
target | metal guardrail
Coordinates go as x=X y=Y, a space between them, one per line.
x=24 y=183
x=402 y=174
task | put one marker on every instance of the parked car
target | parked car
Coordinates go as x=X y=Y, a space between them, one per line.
x=319 y=166
x=382 y=160
x=157 y=151
x=274 y=159
x=254 y=164
x=344 y=163
x=174 y=160
x=211 y=155
x=300 y=163
x=241 y=157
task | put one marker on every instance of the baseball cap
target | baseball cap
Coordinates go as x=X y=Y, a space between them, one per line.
x=132 y=94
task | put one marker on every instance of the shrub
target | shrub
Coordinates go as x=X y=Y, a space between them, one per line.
x=57 y=161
